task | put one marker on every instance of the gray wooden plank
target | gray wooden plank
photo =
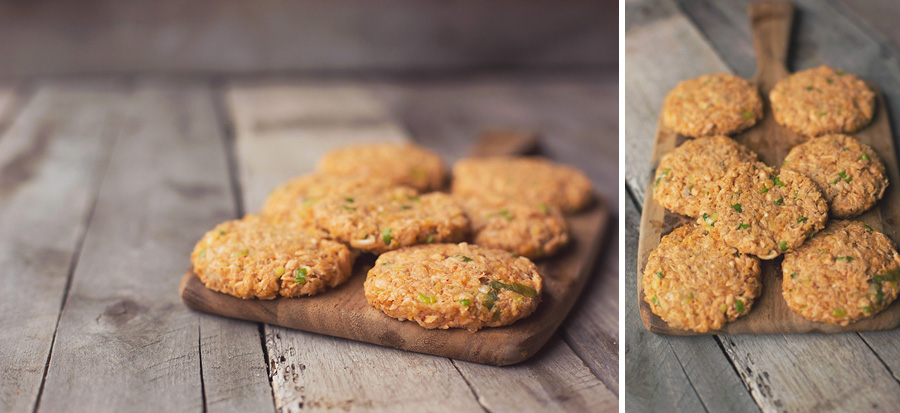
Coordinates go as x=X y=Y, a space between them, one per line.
x=849 y=46
x=879 y=17
x=125 y=342
x=575 y=116
x=592 y=331
x=56 y=37
x=233 y=366
x=672 y=373
x=9 y=101
x=554 y=380
x=51 y=162
x=317 y=126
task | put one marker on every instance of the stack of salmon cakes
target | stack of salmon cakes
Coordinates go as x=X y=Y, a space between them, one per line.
x=455 y=259
x=705 y=274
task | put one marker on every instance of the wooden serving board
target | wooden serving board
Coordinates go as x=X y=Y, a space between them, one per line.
x=771 y=26
x=344 y=311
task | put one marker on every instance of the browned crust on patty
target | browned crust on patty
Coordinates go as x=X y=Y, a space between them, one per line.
x=822 y=100
x=714 y=104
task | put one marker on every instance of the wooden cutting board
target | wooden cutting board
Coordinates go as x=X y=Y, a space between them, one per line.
x=771 y=26
x=344 y=311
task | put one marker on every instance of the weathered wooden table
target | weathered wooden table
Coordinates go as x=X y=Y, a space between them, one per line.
x=667 y=42
x=105 y=185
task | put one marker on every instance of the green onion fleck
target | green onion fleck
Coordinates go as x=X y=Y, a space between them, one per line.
x=655 y=300
x=505 y=214
x=867 y=309
x=840 y=72
x=848 y=259
x=405 y=207
x=801 y=219
x=809 y=88
x=747 y=115
x=663 y=175
x=279 y=271
x=864 y=156
x=386 y=236
x=764 y=190
x=244 y=253
x=778 y=181
x=794 y=275
x=464 y=258
x=822 y=114
x=490 y=300
x=743 y=226
x=348 y=199
x=779 y=201
x=783 y=245
x=202 y=253
x=739 y=306
x=514 y=255
x=544 y=209
x=300 y=275
x=427 y=299
x=465 y=302
x=415 y=199
x=222 y=232
x=660 y=274
x=829 y=80
x=737 y=207
x=429 y=239
x=843 y=175
x=349 y=208
x=839 y=312
x=868 y=228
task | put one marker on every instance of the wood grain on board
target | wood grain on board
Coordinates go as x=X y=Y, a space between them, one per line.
x=344 y=311
x=770 y=314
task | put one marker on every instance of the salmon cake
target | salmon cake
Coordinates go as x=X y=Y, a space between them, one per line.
x=818 y=101
x=531 y=180
x=759 y=212
x=693 y=281
x=403 y=163
x=256 y=258
x=531 y=231
x=845 y=273
x=293 y=200
x=454 y=286
x=848 y=173
x=391 y=219
x=686 y=174
x=714 y=104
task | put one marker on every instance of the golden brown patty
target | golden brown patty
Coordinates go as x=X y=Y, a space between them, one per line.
x=458 y=286
x=716 y=104
x=392 y=219
x=764 y=214
x=252 y=257
x=685 y=175
x=849 y=174
x=821 y=100
x=846 y=272
x=693 y=281
x=534 y=181
x=404 y=164
x=528 y=230
x=293 y=200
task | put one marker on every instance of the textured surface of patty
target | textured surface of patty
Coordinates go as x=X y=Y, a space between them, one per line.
x=255 y=258
x=534 y=181
x=846 y=272
x=454 y=286
x=391 y=219
x=822 y=100
x=764 y=214
x=849 y=174
x=686 y=174
x=403 y=163
x=294 y=199
x=714 y=104
x=528 y=230
x=693 y=281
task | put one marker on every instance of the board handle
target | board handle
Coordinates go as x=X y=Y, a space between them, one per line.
x=505 y=142
x=771 y=25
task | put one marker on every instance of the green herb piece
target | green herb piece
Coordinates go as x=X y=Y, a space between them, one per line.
x=386 y=236
x=415 y=199
x=279 y=271
x=544 y=209
x=778 y=181
x=505 y=214
x=222 y=232
x=868 y=228
x=417 y=173
x=809 y=88
x=764 y=190
x=655 y=300
x=243 y=253
x=723 y=308
x=427 y=299
x=300 y=275
x=405 y=207
x=514 y=255
x=843 y=175
x=783 y=245
x=349 y=208
x=848 y=259
x=747 y=115
x=387 y=263
x=429 y=239
x=737 y=207
x=202 y=253
x=801 y=219
x=710 y=219
x=743 y=226
x=465 y=302
x=659 y=274
x=463 y=257
x=864 y=156
x=517 y=288
x=496 y=315
x=490 y=300
x=829 y=80
x=661 y=176
x=839 y=312
x=779 y=201
x=840 y=72
x=348 y=199
x=822 y=114
x=794 y=275
x=739 y=306
x=867 y=309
